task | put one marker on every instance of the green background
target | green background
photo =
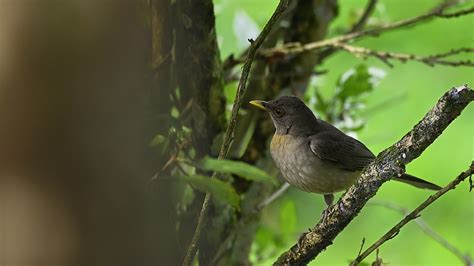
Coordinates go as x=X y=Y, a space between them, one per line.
x=407 y=92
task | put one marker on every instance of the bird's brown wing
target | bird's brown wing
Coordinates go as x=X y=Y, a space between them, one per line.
x=340 y=150
x=350 y=154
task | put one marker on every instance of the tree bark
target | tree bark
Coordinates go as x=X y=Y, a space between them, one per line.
x=189 y=74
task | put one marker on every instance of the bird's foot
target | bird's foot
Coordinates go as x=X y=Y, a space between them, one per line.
x=329 y=199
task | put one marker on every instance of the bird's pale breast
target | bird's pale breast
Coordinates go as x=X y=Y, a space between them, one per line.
x=303 y=169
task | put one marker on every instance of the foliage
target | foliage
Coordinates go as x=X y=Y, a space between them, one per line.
x=157 y=140
x=239 y=168
x=344 y=106
x=223 y=191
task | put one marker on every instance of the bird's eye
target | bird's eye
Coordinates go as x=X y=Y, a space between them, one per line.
x=279 y=112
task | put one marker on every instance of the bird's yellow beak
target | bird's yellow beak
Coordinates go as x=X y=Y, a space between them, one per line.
x=259 y=104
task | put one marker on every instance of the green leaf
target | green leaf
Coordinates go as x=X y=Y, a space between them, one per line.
x=355 y=82
x=241 y=169
x=175 y=112
x=157 y=140
x=220 y=190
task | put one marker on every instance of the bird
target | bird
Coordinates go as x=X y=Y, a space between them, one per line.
x=315 y=156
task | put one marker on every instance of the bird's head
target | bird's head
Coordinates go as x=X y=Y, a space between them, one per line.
x=289 y=114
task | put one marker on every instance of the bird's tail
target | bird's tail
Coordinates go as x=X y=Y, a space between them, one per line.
x=417 y=182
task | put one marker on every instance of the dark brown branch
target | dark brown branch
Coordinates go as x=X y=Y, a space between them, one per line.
x=295 y=48
x=470 y=184
x=457 y=14
x=369 y=8
x=385 y=57
x=387 y=164
x=362 y=243
x=228 y=137
x=414 y=214
x=424 y=226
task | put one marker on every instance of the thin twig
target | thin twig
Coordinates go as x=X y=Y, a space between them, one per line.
x=358 y=26
x=356 y=33
x=273 y=196
x=470 y=184
x=457 y=14
x=415 y=213
x=172 y=160
x=361 y=246
x=295 y=48
x=378 y=260
x=230 y=62
x=234 y=77
x=437 y=59
x=426 y=228
x=386 y=165
x=369 y=8
x=229 y=133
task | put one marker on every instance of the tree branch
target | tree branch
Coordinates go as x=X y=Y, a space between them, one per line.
x=296 y=48
x=456 y=14
x=273 y=196
x=387 y=164
x=413 y=215
x=358 y=26
x=424 y=226
x=369 y=8
x=355 y=33
x=437 y=59
x=228 y=137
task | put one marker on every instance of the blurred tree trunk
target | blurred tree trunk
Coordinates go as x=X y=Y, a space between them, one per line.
x=77 y=111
